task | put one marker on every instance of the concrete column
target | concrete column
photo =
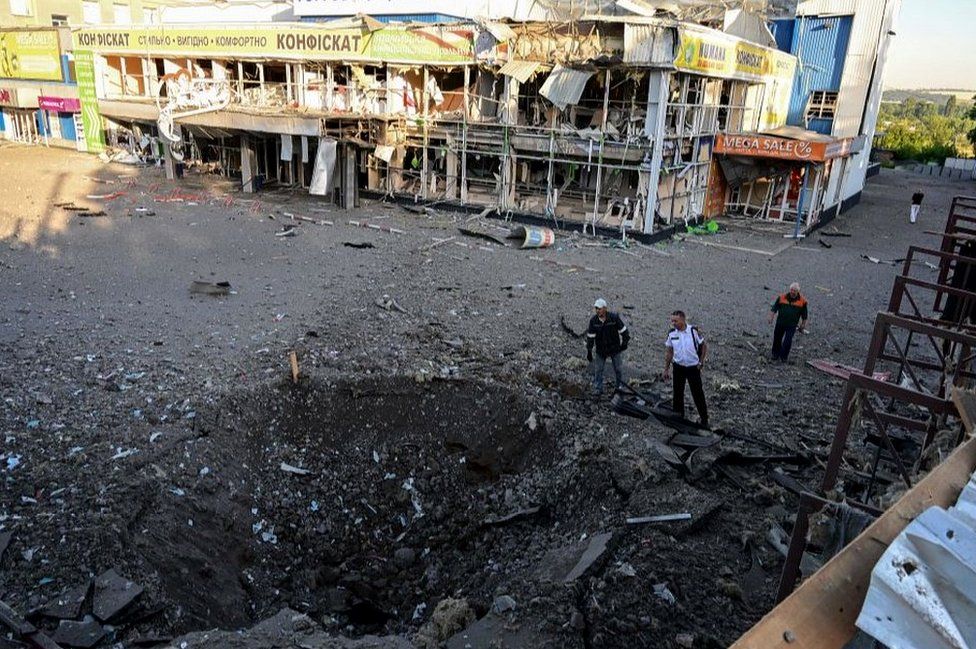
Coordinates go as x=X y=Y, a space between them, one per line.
x=509 y=103
x=657 y=104
x=451 y=183
x=249 y=165
x=394 y=176
x=169 y=162
x=507 y=189
x=350 y=189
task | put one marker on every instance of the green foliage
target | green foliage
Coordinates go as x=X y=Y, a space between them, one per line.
x=921 y=130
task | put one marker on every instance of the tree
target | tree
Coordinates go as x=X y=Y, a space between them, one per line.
x=950 y=107
x=972 y=115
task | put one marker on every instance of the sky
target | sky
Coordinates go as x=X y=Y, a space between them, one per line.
x=934 y=46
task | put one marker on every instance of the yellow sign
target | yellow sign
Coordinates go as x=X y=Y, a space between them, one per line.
x=30 y=54
x=716 y=54
x=720 y=55
x=292 y=42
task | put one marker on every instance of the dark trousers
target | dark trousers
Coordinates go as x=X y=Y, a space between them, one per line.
x=691 y=375
x=782 y=342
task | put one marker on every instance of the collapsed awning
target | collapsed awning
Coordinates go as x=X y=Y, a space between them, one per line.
x=738 y=171
x=564 y=86
x=521 y=71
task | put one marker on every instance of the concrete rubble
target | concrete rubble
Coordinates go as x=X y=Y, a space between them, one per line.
x=447 y=480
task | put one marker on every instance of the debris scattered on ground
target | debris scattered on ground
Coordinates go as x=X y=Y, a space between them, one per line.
x=112 y=593
x=660 y=518
x=293 y=362
x=662 y=591
x=485 y=234
x=842 y=371
x=594 y=550
x=387 y=303
x=359 y=245
x=306 y=219
x=374 y=226
x=84 y=634
x=450 y=616
x=572 y=332
x=174 y=440
x=210 y=288
x=532 y=236
x=875 y=260
x=288 y=468
x=67 y=605
x=520 y=515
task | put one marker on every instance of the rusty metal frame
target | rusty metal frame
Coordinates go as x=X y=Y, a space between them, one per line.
x=962 y=212
x=953 y=343
x=947 y=261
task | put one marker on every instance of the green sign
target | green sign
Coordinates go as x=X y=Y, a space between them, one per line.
x=91 y=118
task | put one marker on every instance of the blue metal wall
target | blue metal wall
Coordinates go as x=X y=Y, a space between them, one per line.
x=783 y=33
x=820 y=43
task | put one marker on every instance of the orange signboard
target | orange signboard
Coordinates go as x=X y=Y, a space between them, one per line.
x=781 y=148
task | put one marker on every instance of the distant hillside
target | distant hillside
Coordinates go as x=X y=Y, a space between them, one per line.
x=935 y=95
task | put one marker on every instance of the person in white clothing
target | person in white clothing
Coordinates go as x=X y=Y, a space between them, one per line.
x=916 y=205
x=686 y=352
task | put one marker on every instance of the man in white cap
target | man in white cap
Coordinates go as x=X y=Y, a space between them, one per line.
x=608 y=333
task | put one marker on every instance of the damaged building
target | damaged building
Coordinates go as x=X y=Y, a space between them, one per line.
x=609 y=122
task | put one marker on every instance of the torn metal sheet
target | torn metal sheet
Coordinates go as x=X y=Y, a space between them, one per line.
x=521 y=71
x=564 y=86
x=965 y=508
x=384 y=152
x=522 y=514
x=287 y=151
x=842 y=371
x=323 y=174
x=649 y=45
x=500 y=31
x=923 y=589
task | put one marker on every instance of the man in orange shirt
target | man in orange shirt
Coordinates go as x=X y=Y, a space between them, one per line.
x=791 y=312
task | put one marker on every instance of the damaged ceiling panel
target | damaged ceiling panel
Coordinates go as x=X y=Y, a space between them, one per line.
x=521 y=71
x=564 y=86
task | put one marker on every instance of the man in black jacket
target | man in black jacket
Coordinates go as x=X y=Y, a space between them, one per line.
x=608 y=333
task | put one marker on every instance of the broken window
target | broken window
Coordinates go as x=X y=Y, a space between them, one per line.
x=821 y=105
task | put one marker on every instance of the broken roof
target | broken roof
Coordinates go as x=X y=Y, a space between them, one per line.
x=521 y=71
x=564 y=86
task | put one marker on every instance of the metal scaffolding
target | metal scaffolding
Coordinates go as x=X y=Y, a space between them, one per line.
x=926 y=339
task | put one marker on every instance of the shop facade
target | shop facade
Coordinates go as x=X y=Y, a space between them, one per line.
x=608 y=122
x=778 y=175
x=22 y=121
x=38 y=96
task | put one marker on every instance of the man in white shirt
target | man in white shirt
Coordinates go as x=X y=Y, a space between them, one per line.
x=686 y=351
